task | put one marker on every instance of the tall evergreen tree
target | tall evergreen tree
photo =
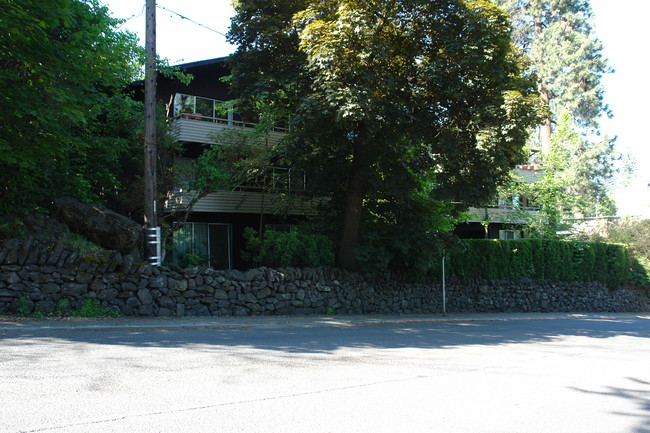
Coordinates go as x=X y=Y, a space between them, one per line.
x=566 y=57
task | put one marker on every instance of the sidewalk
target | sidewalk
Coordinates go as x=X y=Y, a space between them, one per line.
x=18 y=324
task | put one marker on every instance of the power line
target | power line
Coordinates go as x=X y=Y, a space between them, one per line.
x=192 y=21
x=134 y=15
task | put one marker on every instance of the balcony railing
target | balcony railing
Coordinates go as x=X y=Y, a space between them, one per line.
x=501 y=214
x=203 y=120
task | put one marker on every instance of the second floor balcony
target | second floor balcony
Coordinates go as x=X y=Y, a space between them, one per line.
x=204 y=120
x=499 y=214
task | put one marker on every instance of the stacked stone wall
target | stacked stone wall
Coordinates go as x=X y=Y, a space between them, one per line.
x=56 y=278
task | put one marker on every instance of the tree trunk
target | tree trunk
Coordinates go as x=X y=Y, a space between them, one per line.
x=547 y=126
x=354 y=195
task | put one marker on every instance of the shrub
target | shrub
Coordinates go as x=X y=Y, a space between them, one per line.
x=192 y=260
x=91 y=308
x=24 y=306
x=287 y=249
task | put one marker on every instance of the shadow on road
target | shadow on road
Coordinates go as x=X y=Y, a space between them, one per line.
x=277 y=354
x=325 y=339
x=639 y=396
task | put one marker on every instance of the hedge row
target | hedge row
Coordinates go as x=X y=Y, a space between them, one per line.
x=541 y=259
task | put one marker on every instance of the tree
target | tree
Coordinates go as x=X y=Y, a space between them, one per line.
x=569 y=184
x=588 y=166
x=565 y=56
x=63 y=67
x=424 y=98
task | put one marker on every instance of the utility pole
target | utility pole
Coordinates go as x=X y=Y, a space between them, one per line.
x=152 y=232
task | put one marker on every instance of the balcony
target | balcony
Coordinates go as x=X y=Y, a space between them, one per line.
x=248 y=202
x=203 y=120
x=280 y=190
x=501 y=214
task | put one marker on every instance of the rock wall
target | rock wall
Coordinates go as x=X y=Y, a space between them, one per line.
x=51 y=278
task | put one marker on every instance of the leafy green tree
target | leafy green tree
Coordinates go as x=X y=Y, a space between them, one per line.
x=63 y=66
x=394 y=103
x=569 y=184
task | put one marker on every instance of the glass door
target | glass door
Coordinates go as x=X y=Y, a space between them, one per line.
x=220 y=245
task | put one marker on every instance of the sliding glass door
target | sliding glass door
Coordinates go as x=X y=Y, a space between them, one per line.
x=204 y=244
x=219 y=240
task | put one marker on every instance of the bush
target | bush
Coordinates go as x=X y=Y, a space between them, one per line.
x=279 y=249
x=91 y=308
x=191 y=260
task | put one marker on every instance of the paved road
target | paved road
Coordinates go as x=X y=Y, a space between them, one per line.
x=588 y=374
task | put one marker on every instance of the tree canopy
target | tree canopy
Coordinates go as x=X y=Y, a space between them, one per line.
x=566 y=57
x=63 y=66
x=396 y=105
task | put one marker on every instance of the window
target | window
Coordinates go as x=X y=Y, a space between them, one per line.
x=509 y=234
x=204 y=244
x=511 y=202
x=211 y=110
x=183 y=104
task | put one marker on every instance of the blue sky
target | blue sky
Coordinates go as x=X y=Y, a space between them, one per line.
x=619 y=24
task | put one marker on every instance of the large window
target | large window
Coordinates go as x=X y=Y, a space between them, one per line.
x=199 y=108
x=204 y=244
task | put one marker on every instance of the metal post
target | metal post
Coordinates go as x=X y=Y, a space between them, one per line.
x=444 y=291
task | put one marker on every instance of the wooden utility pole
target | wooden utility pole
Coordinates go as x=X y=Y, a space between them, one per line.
x=150 y=154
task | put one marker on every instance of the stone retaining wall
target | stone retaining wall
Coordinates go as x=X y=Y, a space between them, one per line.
x=56 y=278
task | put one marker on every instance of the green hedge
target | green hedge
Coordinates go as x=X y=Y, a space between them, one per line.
x=541 y=259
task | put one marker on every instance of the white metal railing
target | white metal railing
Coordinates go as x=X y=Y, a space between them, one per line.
x=502 y=206
x=288 y=179
x=278 y=179
x=211 y=110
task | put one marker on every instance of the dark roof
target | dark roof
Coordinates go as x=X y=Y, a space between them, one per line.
x=208 y=62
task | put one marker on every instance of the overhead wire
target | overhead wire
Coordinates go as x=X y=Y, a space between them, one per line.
x=134 y=15
x=191 y=20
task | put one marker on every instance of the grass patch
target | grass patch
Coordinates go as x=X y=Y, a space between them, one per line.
x=91 y=308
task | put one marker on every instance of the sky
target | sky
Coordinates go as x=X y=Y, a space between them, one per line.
x=620 y=25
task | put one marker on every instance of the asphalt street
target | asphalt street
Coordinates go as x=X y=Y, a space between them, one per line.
x=481 y=373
